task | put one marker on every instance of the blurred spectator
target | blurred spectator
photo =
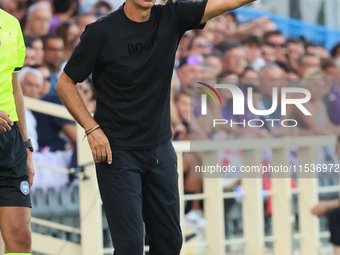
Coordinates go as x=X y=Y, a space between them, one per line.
x=47 y=80
x=318 y=123
x=86 y=92
x=328 y=66
x=184 y=44
x=271 y=77
x=252 y=46
x=199 y=46
x=333 y=106
x=30 y=59
x=230 y=28
x=250 y=78
x=38 y=20
x=276 y=39
x=31 y=82
x=234 y=58
x=306 y=62
x=215 y=64
x=54 y=134
x=218 y=28
x=37 y=45
x=69 y=31
x=256 y=27
x=63 y=12
x=189 y=67
x=83 y=20
x=268 y=53
x=295 y=50
x=100 y=9
x=70 y=47
x=53 y=57
x=335 y=53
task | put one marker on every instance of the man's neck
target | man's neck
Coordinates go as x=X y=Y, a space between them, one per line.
x=136 y=13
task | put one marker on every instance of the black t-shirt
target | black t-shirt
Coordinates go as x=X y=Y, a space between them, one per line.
x=132 y=65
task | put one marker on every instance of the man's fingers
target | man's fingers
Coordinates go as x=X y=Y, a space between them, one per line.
x=109 y=154
x=5 y=126
x=5 y=117
x=103 y=154
x=94 y=154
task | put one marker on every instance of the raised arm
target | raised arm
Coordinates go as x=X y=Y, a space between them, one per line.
x=218 y=7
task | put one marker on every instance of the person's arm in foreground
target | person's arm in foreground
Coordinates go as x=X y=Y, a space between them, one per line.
x=324 y=207
x=66 y=89
x=19 y=103
x=218 y=7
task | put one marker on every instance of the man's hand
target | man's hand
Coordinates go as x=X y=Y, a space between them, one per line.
x=100 y=146
x=30 y=167
x=5 y=122
x=323 y=207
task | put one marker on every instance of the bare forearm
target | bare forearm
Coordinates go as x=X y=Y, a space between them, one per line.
x=217 y=7
x=20 y=107
x=73 y=102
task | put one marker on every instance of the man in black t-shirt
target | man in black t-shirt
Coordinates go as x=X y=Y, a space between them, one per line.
x=131 y=54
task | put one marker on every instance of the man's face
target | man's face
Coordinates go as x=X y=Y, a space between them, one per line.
x=271 y=77
x=253 y=52
x=47 y=80
x=278 y=42
x=30 y=59
x=295 y=51
x=187 y=72
x=307 y=63
x=183 y=106
x=84 y=21
x=39 y=22
x=235 y=60
x=268 y=54
x=39 y=51
x=30 y=86
x=201 y=46
x=54 y=52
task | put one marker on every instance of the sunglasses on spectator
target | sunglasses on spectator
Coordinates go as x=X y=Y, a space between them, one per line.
x=203 y=46
x=278 y=45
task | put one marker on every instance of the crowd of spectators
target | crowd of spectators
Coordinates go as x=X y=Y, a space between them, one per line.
x=251 y=55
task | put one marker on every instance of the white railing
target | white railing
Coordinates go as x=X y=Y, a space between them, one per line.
x=253 y=239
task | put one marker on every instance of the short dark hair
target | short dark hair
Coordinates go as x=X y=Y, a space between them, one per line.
x=47 y=37
x=300 y=61
x=271 y=33
x=104 y=4
x=282 y=65
x=231 y=45
x=326 y=63
x=225 y=73
x=335 y=50
x=62 y=6
x=182 y=92
x=251 y=40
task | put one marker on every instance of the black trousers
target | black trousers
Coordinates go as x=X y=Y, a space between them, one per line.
x=142 y=185
x=334 y=226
